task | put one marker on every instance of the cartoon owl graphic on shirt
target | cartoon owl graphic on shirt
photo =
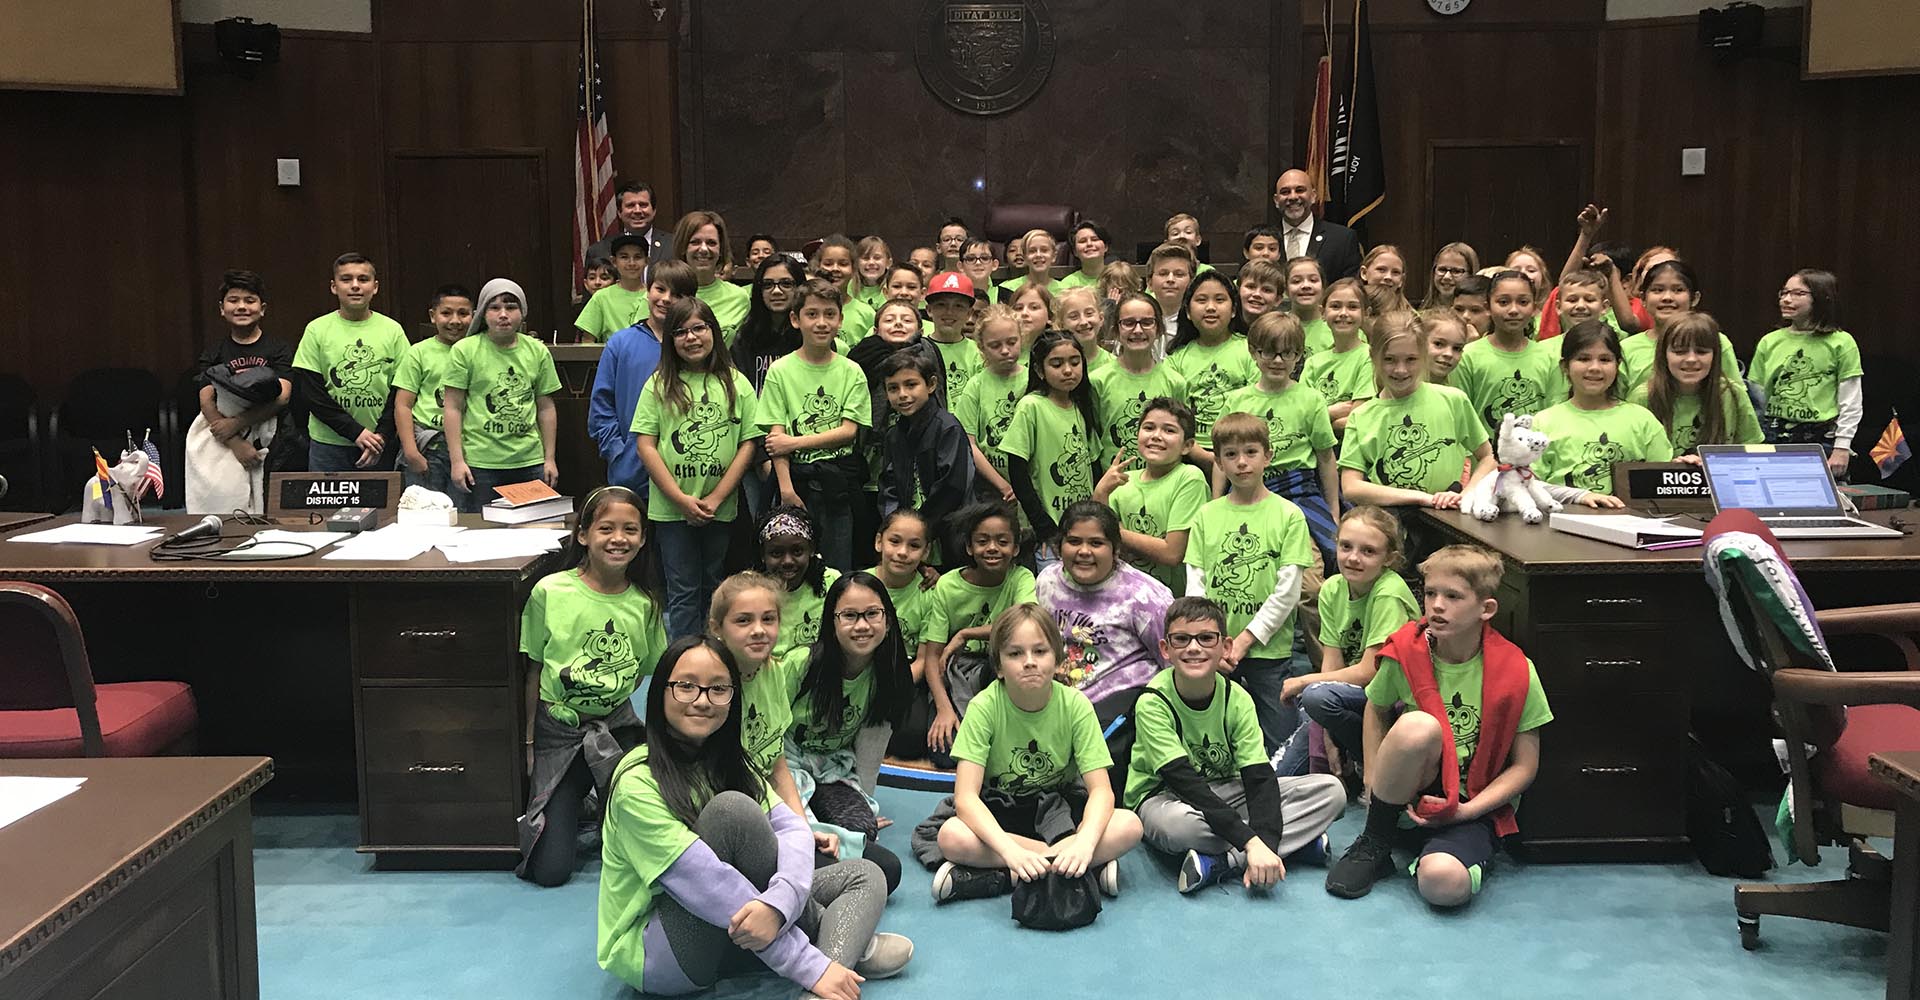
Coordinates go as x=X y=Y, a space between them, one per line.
x=510 y=401
x=604 y=672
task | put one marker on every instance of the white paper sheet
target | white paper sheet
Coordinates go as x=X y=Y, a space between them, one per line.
x=393 y=543
x=92 y=534
x=22 y=796
x=485 y=544
x=276 y=543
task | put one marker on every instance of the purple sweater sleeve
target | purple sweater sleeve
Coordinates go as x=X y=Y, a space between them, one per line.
x=714 y=891
x=792 y=880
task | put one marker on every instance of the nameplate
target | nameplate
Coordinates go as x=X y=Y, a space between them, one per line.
x=294 y=493
x=1670 y=485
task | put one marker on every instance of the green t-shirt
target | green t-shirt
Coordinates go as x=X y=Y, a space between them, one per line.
x=1320 y=337
x=1053 y=440
x=1636 y=360
x=729 y=303
x=1120 y=396
x=422 y=370
x=1518 y=382
x=1211 y=373
x=765 y=705
x=642 y=840
x=697 y=444
x=1802 y=372
x=870 y=296
x=1742 y=426
x=1012 y=288
x=1217 y=740
x=1240 y=548
x=911 y=606
x=611 y=310
x=1419 y=441
x=800 y=614
x=356 y=362
x=1354 y=625
x=856 y=321
x=1031 y=753
x=1078 y=279
x=804 y=733
x=499 y=429
x=1339 y=376
x=985 y=409
x=1297 y=424
x=1459 y=685
x=1100 y=359
x=963 y=362
x=591 y=647
x=1583 y=444
x=1155 y=507
x=806 y=398
x=959 y=605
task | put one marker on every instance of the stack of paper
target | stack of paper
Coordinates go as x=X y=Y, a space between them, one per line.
x=92 y=534
x=21 y=796
x=393 y=543
x=486 y=545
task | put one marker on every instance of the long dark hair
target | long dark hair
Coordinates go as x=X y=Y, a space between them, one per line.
x=670 y=384
x=825 y=681
x=643 y=571
x=1823 y=290
x=1592 y=333
x=1186 y=331
x=1694 y=330
x=690 y=775
x=1082 y=394
x=765 y=332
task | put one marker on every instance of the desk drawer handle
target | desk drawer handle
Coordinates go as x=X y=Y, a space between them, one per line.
x=439 y=634
x=1614 y=602
x=422 y=767
x=1614 y=663
x=1614 y=771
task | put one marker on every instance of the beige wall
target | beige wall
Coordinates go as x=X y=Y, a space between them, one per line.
x=308 y=15
x=1628 y=10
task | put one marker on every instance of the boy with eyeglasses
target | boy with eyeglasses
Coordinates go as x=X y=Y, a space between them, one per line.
x=1197 y=777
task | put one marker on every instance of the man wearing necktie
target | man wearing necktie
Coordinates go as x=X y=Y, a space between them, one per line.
x=1302 y=235
x=637 y=213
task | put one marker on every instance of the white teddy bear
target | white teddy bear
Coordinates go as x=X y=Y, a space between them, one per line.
x=1513 y=485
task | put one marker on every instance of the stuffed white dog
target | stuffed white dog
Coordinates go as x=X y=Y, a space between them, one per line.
x=1513 y=486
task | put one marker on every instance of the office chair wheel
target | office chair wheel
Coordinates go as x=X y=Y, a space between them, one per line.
x=1749 y=932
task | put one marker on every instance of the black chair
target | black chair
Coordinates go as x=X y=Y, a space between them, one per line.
x=23 y=445
x=103 y=406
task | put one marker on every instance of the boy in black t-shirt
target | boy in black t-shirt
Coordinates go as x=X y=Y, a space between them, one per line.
x=243 y=304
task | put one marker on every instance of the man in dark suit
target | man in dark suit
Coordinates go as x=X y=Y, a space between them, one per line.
x=1301 y=234
x=635 y=199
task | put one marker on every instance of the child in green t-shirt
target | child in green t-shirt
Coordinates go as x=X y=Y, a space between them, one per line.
x=1156 y=504
x=1077 y=311
x=1470 y=694
x=499 y=418
x=1410 y=445
x=1026 y=738
x=615 y=307
x=1507 y=372
x=1121 y=389
x=1810 y=370
x=1446 y=336
x=962 y=606
x=812 y=408
x=949 y=304
x=417 y=398
x=1302 y=464
x=1471 y=302
x=694 y=427
x=1689 y=393
x=1306 y=295
x=985 y=407
x=590 y=630
x=343 y=370
x=1209 y=355
x=1049 y=443
x=903 y=543
x=1250 y=552
x=1340 y=373
x=788 y=554
x=1595 y=429
x=1036 y=257
x=1259 y=284
x=833 y=262
x=1199 y=776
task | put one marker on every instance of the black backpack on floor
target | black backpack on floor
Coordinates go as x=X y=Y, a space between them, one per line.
x=1727 y=837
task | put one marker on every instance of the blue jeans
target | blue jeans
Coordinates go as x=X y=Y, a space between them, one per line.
x=761 y=492
x=484 y=480
x=332 y=457
x=833 y=513
x=1263 y=677
x=690 y=558
x=1340 y=710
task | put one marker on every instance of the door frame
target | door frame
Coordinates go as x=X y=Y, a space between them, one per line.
x=537 y=154
x=1581 y=156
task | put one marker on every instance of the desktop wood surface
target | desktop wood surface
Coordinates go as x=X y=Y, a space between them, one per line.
x=1544 y=550
x=12 y=520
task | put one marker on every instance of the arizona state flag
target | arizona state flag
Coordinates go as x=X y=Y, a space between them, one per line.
x=1355 y=172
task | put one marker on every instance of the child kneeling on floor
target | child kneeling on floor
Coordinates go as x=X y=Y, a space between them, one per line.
x=1017 y=811
x=1453 y=764
x=1199 y=777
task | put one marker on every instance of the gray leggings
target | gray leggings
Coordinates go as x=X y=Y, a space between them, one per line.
x=839 y=918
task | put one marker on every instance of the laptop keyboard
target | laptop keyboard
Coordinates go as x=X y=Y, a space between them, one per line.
x=1816 y=522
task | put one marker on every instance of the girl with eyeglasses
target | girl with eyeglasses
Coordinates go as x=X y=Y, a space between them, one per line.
x=590 y=629
x=1121 y=389
x=1450 y=263
x=706 y=871
x=1810 y=370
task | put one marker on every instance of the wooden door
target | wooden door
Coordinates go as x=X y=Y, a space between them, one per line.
x=1498 y=196
x=462 y=217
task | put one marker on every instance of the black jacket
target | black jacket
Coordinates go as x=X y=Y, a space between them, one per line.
x=929 y=449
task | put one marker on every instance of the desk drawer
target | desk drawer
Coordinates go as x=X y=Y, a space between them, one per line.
x=440 y=633
x=1620 y=600
x=1598 y=663
x=1621 y=777
x=450 y=746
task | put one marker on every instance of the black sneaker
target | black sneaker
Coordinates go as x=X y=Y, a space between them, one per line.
x=1367 y=861
x=953 y=881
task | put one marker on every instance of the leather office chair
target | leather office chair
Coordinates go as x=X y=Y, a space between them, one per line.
x=1010 y=222
x=102 y=406
x=49 y=704
x=22 y=445
x=1831 y=721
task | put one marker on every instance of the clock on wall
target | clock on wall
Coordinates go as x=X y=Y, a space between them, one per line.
x=1448 y=7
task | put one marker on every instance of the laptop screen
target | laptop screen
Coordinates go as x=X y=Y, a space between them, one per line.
x=1785 y=482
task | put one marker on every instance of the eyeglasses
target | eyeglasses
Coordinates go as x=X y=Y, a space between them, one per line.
x=687 y=692
x=1138 y=323
x=1181 y=640
x=976 y=258
x=1452 y=272
x=780 y=283
x=693 y=330
x=872 y=616
x=1794 y=293
x=1268 y=355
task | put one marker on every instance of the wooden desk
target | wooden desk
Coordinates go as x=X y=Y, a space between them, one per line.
x=1631 y=651
x=139 y=884
x=13 y=520
x=399 y=682
x=1902 y=771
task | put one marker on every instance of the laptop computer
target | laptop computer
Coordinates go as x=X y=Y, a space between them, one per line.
x=1787 y=486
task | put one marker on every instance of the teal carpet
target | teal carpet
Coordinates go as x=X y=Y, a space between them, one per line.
x=330 y=927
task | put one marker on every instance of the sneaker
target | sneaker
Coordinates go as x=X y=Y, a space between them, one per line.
x=1197 y=871
x=1367 y=861
x=886 y=955
x=1314 y=852
x=1110 y=878
x=953 y=881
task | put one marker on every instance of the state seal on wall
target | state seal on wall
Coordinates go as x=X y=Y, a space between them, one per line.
x=984 y=58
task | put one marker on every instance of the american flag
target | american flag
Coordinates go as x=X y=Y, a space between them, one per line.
x=155 y=482
x=594 y=210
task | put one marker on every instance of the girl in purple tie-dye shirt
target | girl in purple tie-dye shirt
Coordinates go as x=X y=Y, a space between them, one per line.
x=1109 y=612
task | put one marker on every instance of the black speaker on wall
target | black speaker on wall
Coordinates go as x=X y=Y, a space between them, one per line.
x=241 y=40
x=1732 y=29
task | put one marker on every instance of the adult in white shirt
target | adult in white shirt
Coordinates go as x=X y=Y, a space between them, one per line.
x=1302 y=235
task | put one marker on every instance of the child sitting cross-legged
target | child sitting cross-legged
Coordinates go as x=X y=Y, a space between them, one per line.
x=1445 y=773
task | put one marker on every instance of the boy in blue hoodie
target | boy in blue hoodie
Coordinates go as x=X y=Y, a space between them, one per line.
x=628 y=361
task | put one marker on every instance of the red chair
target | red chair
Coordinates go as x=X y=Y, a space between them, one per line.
x=49 y=705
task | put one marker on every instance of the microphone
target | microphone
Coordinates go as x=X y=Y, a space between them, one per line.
x=3 y=487
x=206 y=527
